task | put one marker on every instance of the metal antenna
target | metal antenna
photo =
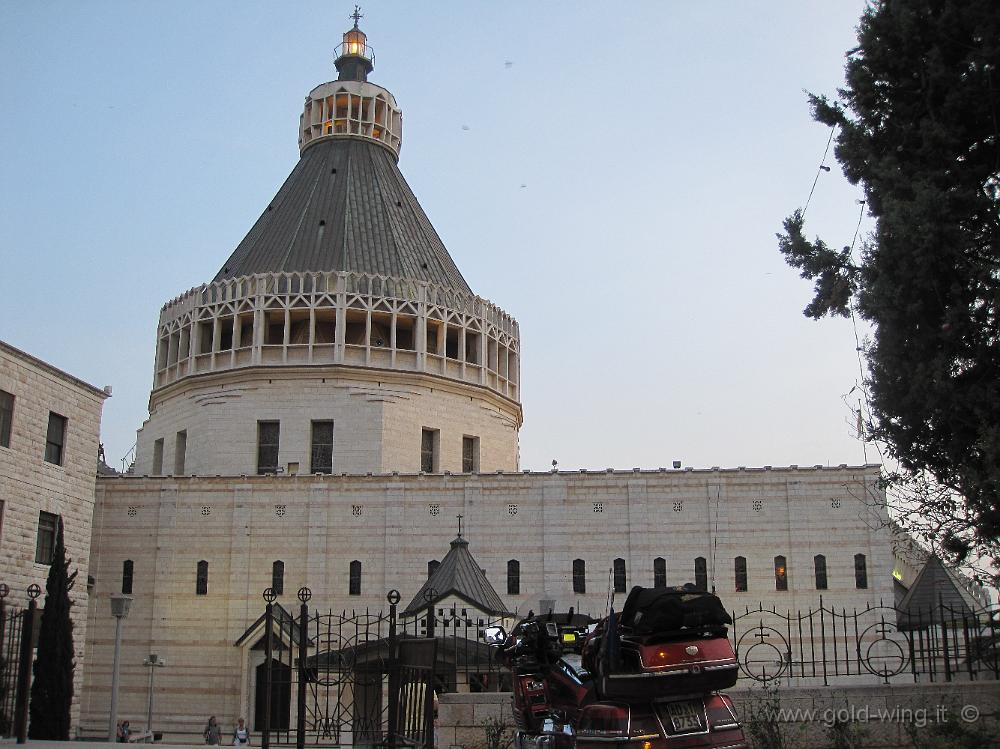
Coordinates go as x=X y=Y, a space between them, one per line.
x=715 y=539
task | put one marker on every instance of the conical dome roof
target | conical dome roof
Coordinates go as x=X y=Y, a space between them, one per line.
x=345 y=207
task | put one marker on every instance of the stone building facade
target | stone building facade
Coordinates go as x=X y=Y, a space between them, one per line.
x=49 y=429
x=337 y=394
x=395 y=524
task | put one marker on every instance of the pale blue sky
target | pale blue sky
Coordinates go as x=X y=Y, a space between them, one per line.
x=659 y=145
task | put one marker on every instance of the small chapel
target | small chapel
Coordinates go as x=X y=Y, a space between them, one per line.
x=329 y=402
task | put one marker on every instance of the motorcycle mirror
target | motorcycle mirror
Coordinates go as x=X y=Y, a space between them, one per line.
x=494 y=635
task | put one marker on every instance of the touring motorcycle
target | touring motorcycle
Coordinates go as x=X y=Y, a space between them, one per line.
x=647 y=678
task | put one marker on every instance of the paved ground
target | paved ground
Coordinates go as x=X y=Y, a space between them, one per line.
x=93 y=745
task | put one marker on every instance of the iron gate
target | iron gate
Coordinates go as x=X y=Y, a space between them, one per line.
x=348 y=678
x=18 y=638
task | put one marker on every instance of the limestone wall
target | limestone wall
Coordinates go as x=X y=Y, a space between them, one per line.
x=29 y=484
x=395 y=524
x=377 y=418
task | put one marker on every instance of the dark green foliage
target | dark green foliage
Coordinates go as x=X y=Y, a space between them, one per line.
x=953 y=734
x=763 y=722
x=52 y=685
x=918 y=127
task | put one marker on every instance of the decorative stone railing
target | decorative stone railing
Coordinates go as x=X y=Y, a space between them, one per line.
x=297 y=319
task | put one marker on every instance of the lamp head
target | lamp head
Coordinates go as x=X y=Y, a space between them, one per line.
x=120 y=605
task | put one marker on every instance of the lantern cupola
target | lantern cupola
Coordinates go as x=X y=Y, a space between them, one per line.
x=355 y=59
x=352 y=107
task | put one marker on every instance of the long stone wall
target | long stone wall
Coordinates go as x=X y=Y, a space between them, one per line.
x=880 y=716
x=395 y=524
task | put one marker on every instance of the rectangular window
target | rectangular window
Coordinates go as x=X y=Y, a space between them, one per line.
x=579 y=576
x=6 y=417
x=619 y=576
x=45 y=543
x=128 y=568
x=354 y=581
x=780 y=573
x=180 y=452
x=201 y=579
x=470 y=454
x=701 y=574
x=267 y=446
x=740 y=567
x=158 y=457
x=860 y=572
x=322 y=447
x=278 y=577
x=820 y=563
x=429 y=441
x=659 y=572
x=513 y=577
x=55 y=439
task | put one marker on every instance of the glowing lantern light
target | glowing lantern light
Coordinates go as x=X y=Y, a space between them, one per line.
x=355 y=42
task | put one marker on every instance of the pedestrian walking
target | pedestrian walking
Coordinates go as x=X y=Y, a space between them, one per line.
x=213 y=732
x=241 y=736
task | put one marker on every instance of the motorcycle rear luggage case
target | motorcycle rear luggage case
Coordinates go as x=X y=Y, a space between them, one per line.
x=662 y=669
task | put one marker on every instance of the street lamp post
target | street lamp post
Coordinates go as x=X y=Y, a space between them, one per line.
x=152 y=662
x=119 y=609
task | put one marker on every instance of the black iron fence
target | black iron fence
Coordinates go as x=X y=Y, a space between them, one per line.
x=361 y=677
x=18 y=638
x=826 y=645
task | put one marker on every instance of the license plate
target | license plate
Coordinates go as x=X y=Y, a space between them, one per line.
x=686 y=717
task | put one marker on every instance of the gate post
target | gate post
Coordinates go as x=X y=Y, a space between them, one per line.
x=944 y=636
x=393 y=598
x=269 y=596
x=300 y=725
x=822 y=637
x=24 y=666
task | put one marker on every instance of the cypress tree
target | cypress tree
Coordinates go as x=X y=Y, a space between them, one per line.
x=918 y=127
x=52 y=686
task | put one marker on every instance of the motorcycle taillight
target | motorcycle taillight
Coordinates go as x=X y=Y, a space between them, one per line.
x=604 y=720
x=721 y=714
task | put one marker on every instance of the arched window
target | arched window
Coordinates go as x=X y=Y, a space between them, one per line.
x=579 y=576
x=620 y=583
x=278 y=577
x=201 y=582
x=701 y=574
x=513 y=577
x=127 y=568
x=432 y=567
x=819 y=563
x=780 y=573
x=740 y=566
x=659 y=572
x=354 y=588
x=860 y=572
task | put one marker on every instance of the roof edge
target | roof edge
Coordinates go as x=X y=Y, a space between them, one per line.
x=52 y=369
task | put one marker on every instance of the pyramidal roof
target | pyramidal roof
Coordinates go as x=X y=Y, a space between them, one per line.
x=935 y=586
x=460 y=575
x=345 y=207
